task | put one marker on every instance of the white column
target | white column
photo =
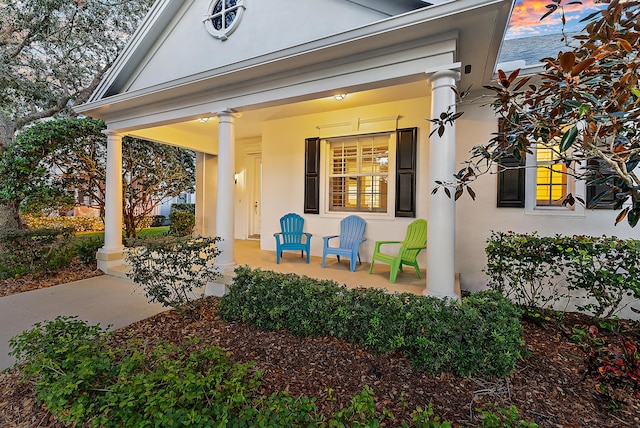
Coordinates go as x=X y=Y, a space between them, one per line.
x=206 y=184
x=226 y=187
x=442 y=210
x=111 y=253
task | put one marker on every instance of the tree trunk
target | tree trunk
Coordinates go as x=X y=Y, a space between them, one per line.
x=9 y=214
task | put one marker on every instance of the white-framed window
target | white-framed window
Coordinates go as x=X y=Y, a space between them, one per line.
x=223 y=17
x=548 y=184
x=358 y=174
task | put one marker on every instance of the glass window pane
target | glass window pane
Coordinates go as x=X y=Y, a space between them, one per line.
x=358 y=174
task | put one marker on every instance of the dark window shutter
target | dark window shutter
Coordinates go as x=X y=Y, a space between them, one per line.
x=511 y=183
x=406 y=153
x=312 y=176
x=606 y=197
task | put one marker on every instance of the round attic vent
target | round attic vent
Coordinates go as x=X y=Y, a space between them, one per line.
x=223 y=17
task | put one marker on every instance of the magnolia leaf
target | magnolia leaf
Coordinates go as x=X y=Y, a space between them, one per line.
x=456 y=116
x=552 y=8
x=434 y=191
x=471 y=193
x=568 y=138
x=447 y=192
x=522 y=82
x=633 y=217
x=621 y=215
x=625 y=45
x=459 y=193
x=567 y=61
x=636 y=92
x=581 y=66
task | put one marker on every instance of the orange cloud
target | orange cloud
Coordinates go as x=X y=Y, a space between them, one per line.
x=525 y=18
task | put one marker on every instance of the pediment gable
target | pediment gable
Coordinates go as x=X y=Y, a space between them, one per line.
x=174 y=43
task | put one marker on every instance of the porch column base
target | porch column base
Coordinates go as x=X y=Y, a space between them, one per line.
x=429 y=293
x=219 y=287
x=108 y=258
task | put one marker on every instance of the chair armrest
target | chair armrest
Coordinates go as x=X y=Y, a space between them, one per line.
x=380 y=243
x=416 y=248
x=308 y=235
x=327 y=238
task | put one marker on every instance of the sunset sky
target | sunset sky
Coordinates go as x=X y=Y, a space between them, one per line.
x=525 y=19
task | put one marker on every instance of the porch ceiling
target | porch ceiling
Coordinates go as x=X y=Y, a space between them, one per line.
x=199 y=135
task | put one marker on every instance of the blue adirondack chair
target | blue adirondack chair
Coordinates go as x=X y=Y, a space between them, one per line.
x=290 y=239
x=350 y=238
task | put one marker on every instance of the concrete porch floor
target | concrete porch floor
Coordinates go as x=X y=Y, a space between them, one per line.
x=248 y=253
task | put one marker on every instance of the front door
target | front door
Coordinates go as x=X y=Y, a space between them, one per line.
x=256 y=199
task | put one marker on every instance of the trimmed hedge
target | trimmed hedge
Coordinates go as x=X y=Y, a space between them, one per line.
x=537 y=271
x=78 y=224
x=480 y=336
x=28 y=251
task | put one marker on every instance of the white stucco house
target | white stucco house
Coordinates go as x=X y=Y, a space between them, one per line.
x=320 y=107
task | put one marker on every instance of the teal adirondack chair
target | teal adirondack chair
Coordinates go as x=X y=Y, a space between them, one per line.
x=291 y=237
x=414 y=242
x=350 y=238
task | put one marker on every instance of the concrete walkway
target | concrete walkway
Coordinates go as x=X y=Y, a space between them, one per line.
x=102 y=299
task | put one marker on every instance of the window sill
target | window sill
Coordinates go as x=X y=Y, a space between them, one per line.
x=364 y=215
x=577 y=211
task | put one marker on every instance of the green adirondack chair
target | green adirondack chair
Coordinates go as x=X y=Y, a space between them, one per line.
x=414 y=242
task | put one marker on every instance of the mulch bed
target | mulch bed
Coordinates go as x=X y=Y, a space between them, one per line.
x=74 y=272
x=549 y=386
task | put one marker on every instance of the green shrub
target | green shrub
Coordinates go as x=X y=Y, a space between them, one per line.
x=182 y=223
x=86 y=249
x=525 y=268
x=531 y=270
x=183 y=207
x=41 y=250
x=157 y=220
x=507 y=418
x=479 y=336
x=77 y=223
x=80 y=380
x=67 y=361
x=170 y=270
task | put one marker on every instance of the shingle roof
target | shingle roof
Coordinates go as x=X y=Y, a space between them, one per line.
x=533 y=49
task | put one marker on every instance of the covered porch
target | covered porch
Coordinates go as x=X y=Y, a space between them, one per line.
x=248 y=252
x=267 y=129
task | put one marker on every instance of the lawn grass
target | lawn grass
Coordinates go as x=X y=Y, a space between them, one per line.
x=143 y=233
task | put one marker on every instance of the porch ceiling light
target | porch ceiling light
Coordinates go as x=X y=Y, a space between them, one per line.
x=340 y=96
x=204 y=119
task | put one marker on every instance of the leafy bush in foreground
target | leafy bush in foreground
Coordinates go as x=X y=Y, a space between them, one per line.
x=23 y=251
x=83 y=381
x=170 y=270
x=479 y=336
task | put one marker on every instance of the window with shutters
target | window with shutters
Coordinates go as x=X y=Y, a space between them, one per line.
x=358 y=174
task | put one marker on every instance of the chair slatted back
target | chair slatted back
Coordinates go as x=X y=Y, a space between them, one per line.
x=351 y=230
x=416 y=237
x=292 y=225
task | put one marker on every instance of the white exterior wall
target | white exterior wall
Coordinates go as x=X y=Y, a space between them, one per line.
x=266 y=26
x=476 y=219
x=283 y=173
